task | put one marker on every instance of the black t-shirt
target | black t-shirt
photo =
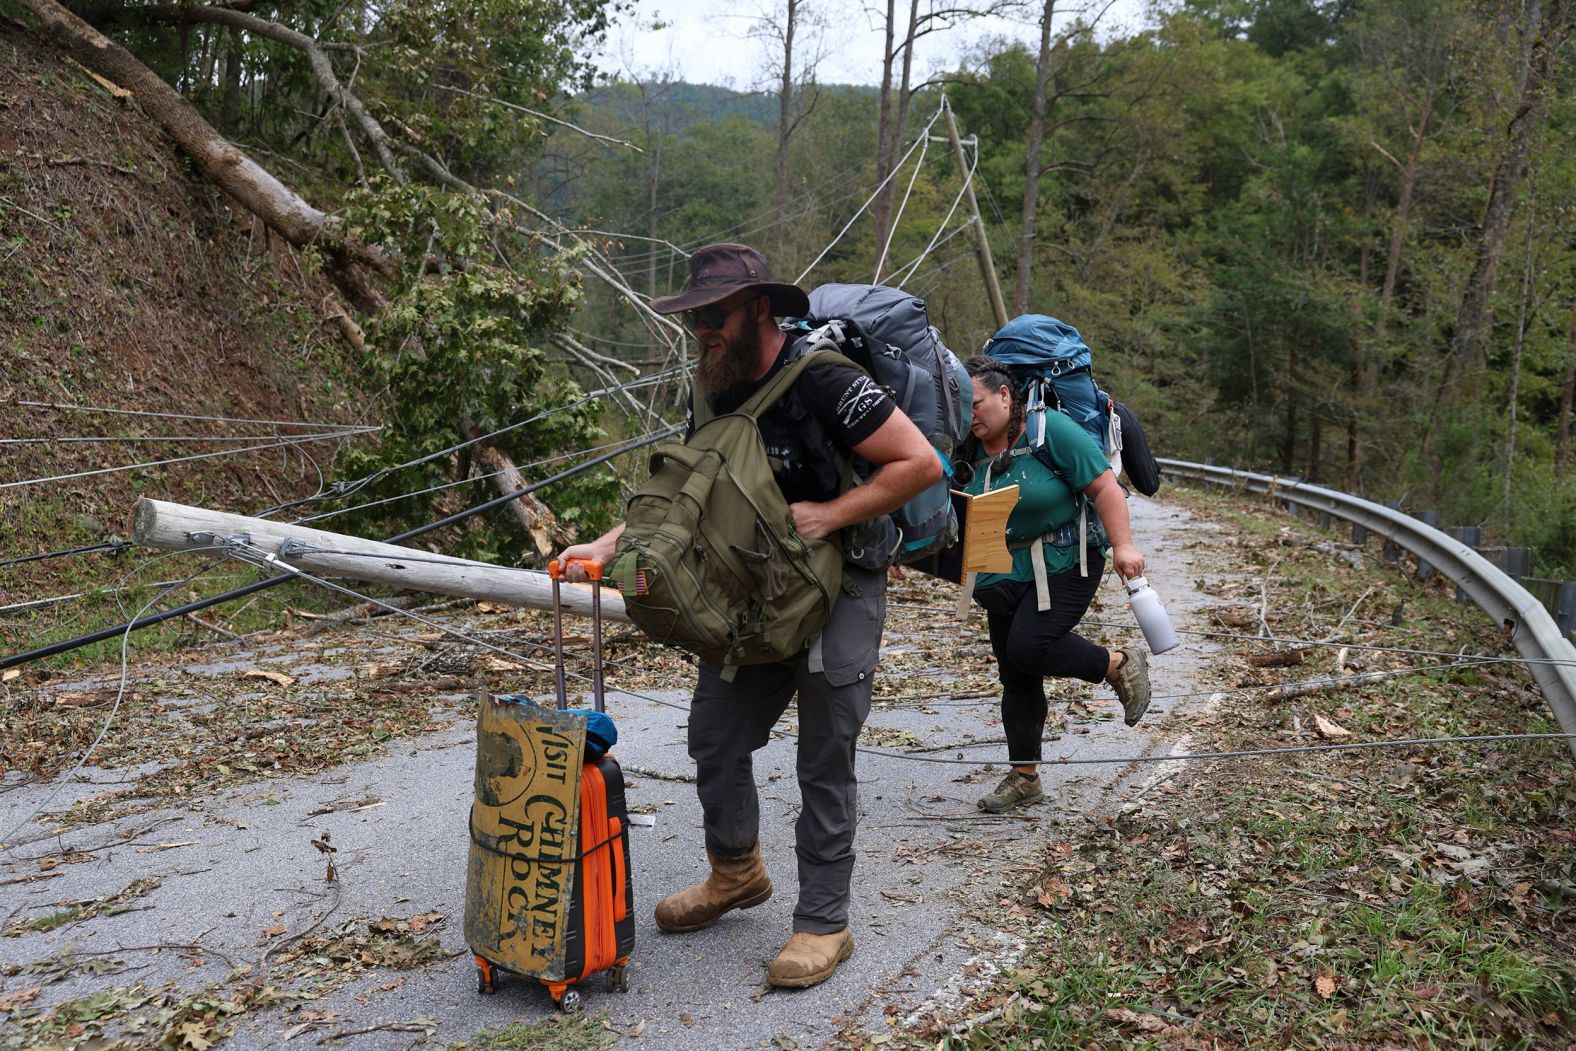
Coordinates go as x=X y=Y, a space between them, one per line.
x=836 y=403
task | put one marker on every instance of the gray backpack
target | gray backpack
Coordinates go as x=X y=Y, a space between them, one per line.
x=887 y=332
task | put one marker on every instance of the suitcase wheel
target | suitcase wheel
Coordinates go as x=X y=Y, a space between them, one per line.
x=571 y=1002
x=618 y=979
x=486 y=980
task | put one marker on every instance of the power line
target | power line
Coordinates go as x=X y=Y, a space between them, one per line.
x=119 y=694
x=70 y=440
x=186 y=416
x=186 y=459
x=1175 y=757
x=113 y=545
x=924 y=137
x=242 y=592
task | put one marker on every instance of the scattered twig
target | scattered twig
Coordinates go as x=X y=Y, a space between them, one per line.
x=195 y=619
x=31 y=879
x=421 y=1025
x=980 y=1019
x=1337 y=632
x=658 y=775
x=1344 y=682
x=132 y=837
x=262 y=964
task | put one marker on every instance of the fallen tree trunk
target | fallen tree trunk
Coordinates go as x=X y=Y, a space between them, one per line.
x=538 y=521
x=257 y=190
x=177 y=527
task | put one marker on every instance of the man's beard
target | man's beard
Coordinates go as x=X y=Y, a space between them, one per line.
x=718 y=373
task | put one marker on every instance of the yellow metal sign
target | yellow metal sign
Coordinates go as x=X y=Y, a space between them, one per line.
x=525 y=824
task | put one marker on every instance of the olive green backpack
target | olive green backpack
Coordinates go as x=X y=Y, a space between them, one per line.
x=709 y=560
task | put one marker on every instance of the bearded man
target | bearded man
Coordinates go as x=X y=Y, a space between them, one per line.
x=832 y=410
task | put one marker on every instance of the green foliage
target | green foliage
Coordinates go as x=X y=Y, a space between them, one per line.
x=474 y=298
x=459 y=348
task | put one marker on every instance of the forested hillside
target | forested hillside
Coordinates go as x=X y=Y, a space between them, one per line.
x=1326 y=239
x=1329 y=239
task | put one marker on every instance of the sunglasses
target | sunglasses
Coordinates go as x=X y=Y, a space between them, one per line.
x=712 y=317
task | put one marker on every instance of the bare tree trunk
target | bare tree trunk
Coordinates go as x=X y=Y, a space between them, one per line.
x=1562 y=425
x=898 y=132
x=546 y=534
x=1029 y=214
x=784 y=130
x=1359 y=367
x=1539 y=57
x=1315 y=446
x=230 y=79
x=281 y=208
x=1289 y=441
x=886 y=149
x=1403 y=207
x=1513 y=398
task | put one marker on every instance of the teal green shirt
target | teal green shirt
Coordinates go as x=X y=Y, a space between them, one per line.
x=1047 y=499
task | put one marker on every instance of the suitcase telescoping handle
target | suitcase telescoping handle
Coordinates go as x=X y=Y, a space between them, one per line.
x=593 y=570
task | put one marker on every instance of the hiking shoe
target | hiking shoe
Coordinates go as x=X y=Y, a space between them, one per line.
x=1132 y=686
x=1014 y=790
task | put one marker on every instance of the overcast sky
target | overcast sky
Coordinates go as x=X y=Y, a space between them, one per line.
x=707 y=41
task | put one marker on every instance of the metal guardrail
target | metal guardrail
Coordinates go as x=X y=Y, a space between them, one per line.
x=1550 y=656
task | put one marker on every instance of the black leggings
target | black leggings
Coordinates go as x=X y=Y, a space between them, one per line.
x=1031 y=644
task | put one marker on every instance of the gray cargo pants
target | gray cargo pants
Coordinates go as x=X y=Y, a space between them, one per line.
x=730 y=720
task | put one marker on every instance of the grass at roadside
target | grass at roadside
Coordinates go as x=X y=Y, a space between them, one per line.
x=1417 y=897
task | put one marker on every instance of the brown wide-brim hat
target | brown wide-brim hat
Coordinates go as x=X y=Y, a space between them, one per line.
x=717 y=271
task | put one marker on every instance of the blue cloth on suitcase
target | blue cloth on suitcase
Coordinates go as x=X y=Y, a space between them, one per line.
x=601 y=733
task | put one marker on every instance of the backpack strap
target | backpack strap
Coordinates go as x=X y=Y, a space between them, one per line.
x=773 y=392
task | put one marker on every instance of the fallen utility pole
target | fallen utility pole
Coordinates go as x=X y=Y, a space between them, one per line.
x=178 y=527
x=102 y=634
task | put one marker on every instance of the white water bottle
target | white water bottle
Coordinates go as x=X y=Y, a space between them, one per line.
x=1151 y=616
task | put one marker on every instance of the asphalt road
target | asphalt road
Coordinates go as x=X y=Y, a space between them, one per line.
x=925 y=853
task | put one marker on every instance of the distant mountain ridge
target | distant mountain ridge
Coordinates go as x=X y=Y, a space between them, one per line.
x=688 y=104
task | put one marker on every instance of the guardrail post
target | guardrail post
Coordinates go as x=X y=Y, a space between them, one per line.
x=1428 y=518
x=1392 y=550
x=1566 y=616
x=1514 y=562
x=1471 y=536
x=1324 y=519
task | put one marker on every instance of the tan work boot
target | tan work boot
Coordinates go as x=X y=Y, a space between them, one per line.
x=809 y=959
x=741 y=884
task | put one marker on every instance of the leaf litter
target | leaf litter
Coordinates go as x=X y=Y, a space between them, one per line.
x=1421 y=897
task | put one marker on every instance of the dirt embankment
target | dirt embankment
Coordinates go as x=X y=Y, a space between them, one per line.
x=127 y=283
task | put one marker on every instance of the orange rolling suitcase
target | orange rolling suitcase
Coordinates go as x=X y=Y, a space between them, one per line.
x=548 y=892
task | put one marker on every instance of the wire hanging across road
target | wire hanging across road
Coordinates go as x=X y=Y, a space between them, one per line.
x=336 y=436
x=63 y=407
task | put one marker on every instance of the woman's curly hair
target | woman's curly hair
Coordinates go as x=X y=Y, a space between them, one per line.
x=995 y=375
